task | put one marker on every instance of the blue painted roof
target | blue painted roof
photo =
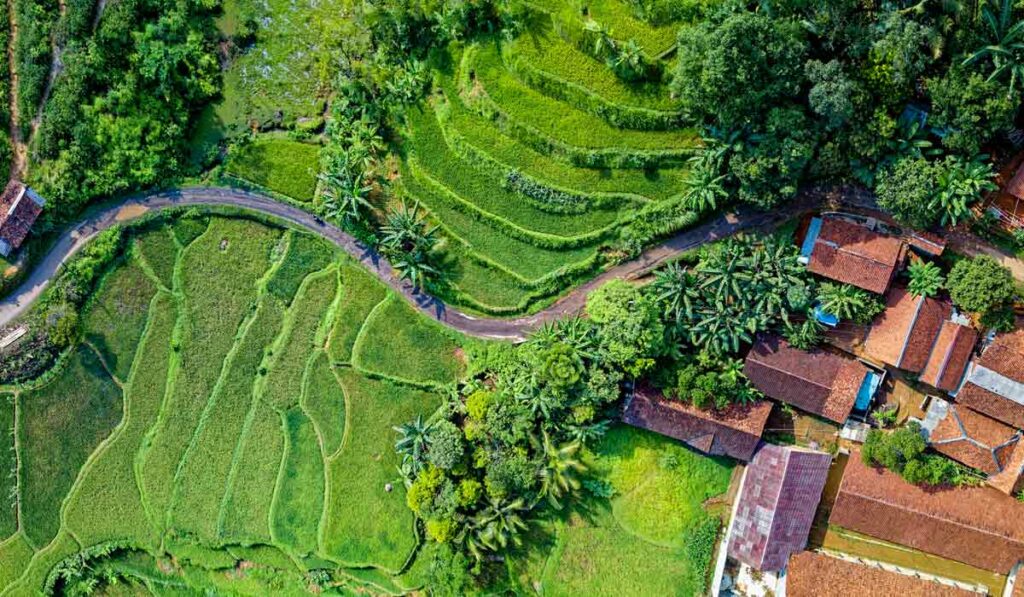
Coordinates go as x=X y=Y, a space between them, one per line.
x=868 y=387
x=812 y=235
x=826 y=318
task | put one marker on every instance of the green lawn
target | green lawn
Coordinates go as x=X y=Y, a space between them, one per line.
x=61 y=424
x=158 y=251
x=637 y=542
x=116 y=317
x=279 y=164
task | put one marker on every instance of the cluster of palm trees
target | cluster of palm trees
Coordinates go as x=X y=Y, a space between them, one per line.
x=1005 y=48
x=738 y=289
x=409 y=242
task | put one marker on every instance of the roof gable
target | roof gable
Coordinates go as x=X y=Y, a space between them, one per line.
x=734 y=431
x=906 y=332
x=819 y=382
x=812 y=574
x=856 y=255
x=776 y=506
x=949 y=356
x=974 y=439
x=19 y=208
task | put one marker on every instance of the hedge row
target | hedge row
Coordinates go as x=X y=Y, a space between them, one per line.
x=537 y=239
x=576 y=156
x=624 y=117
x=541 y=194
x=33 y=53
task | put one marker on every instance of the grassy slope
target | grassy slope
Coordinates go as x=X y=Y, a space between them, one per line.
x=324 y=401
x=107 y=503
x=245 y=514
x=8 y=469
x=220 y=287
x=399 y=342
x=116 y=318
x=61 y=424
x=159 y=252
x=306 y=253
x=279 y=164
x=364 y=523
x=559 y=120
x=299 y=500
x=360 y=293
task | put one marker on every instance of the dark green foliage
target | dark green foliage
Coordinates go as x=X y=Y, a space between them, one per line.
x=631 y=334
x=903 y=451
x=771 y=168
x=736 y=70
x=700 y=546
x=849 y=302
x=970 y=107
x=905 y=190
x=445 y=445
x=980 y=285
x=187 y=229
x=8 y=468
x=35 y=20
x=832 y=92
x=708 y=383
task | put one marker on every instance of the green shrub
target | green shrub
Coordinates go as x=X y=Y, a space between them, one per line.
x=980 y=284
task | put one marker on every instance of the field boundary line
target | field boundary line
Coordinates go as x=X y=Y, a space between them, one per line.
x=144 y=265
x=357 y=344
x=303 y=406
x=17 y=471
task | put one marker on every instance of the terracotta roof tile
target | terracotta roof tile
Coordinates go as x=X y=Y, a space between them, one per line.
x=975 y=525
x=1016 y=185
x=733 y=432
x=775 y=509
x=948 y=360
x=1003 y=358
x=1011 y=480
x=903 y=335
x=812 y=574
x=975 y=440
x=19 y=208
x=856 y=255
x=817 y=381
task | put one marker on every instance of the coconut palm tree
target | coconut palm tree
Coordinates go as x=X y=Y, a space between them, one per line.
x=495 y=527
x=560 y=471
x=409 y=244
x=1005 y=48
x=344 y=195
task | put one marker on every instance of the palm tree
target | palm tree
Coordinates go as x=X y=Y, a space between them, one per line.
x=604 y=43
x=411 y=445
x=409 y=243
x=1006 y=43
x=628 y=61
x=675 y=287
x=843 y=301
x=961 y=183
x=496 y=526
x=925 y=278
x=703 y=187
x=559 y=475
x=720 y=329
x=723 y=271
x=911 y=141
x=345 y=195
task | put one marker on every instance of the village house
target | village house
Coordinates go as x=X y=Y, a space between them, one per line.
x=813 y=574
x=848 y=252
x=820 y=382
x=994 y=383
x=734 y=431
x=921 y=335
x=780 y=492
x=978 y=526
x=19 y=208
x=977 y=441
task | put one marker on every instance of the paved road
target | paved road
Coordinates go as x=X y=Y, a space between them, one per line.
x=73 y=239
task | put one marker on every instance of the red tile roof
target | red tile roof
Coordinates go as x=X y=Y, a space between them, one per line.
x=1016 y=185
x=949 y=356
x=819 y=382
x=853 y=254
x=812 y=574
x=932 y=244
x=975 y=440
x=904 y=334
x=1004 y=359
x=775 y=509
x=1011 y=479
x=19 y=208
x=975 y=525
x=734 y=431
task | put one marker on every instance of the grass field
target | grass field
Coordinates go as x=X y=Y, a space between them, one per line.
x=238 y=437
x=636 y=542
x=279 y=164
x=8 y=469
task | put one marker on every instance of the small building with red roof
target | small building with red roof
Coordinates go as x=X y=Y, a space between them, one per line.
x=734 y=431
x=775 y=509
x=971 y=438
x=848 y=252
x=918 y=334
x=994 y=383
x=820 y=382
x=19 y=208
x=814 y=574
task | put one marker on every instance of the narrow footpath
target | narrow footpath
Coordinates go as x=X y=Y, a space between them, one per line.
x=744 y=218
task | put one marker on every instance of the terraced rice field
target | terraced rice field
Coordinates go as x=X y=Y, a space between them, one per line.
x=233 y=399
x=532 y=156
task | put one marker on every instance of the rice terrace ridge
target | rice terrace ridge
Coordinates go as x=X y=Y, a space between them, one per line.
x=523 y=297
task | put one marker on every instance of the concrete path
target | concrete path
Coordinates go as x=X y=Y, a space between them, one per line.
x=745 y=218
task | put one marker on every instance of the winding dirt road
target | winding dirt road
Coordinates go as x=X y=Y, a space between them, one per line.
x=14 y=305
